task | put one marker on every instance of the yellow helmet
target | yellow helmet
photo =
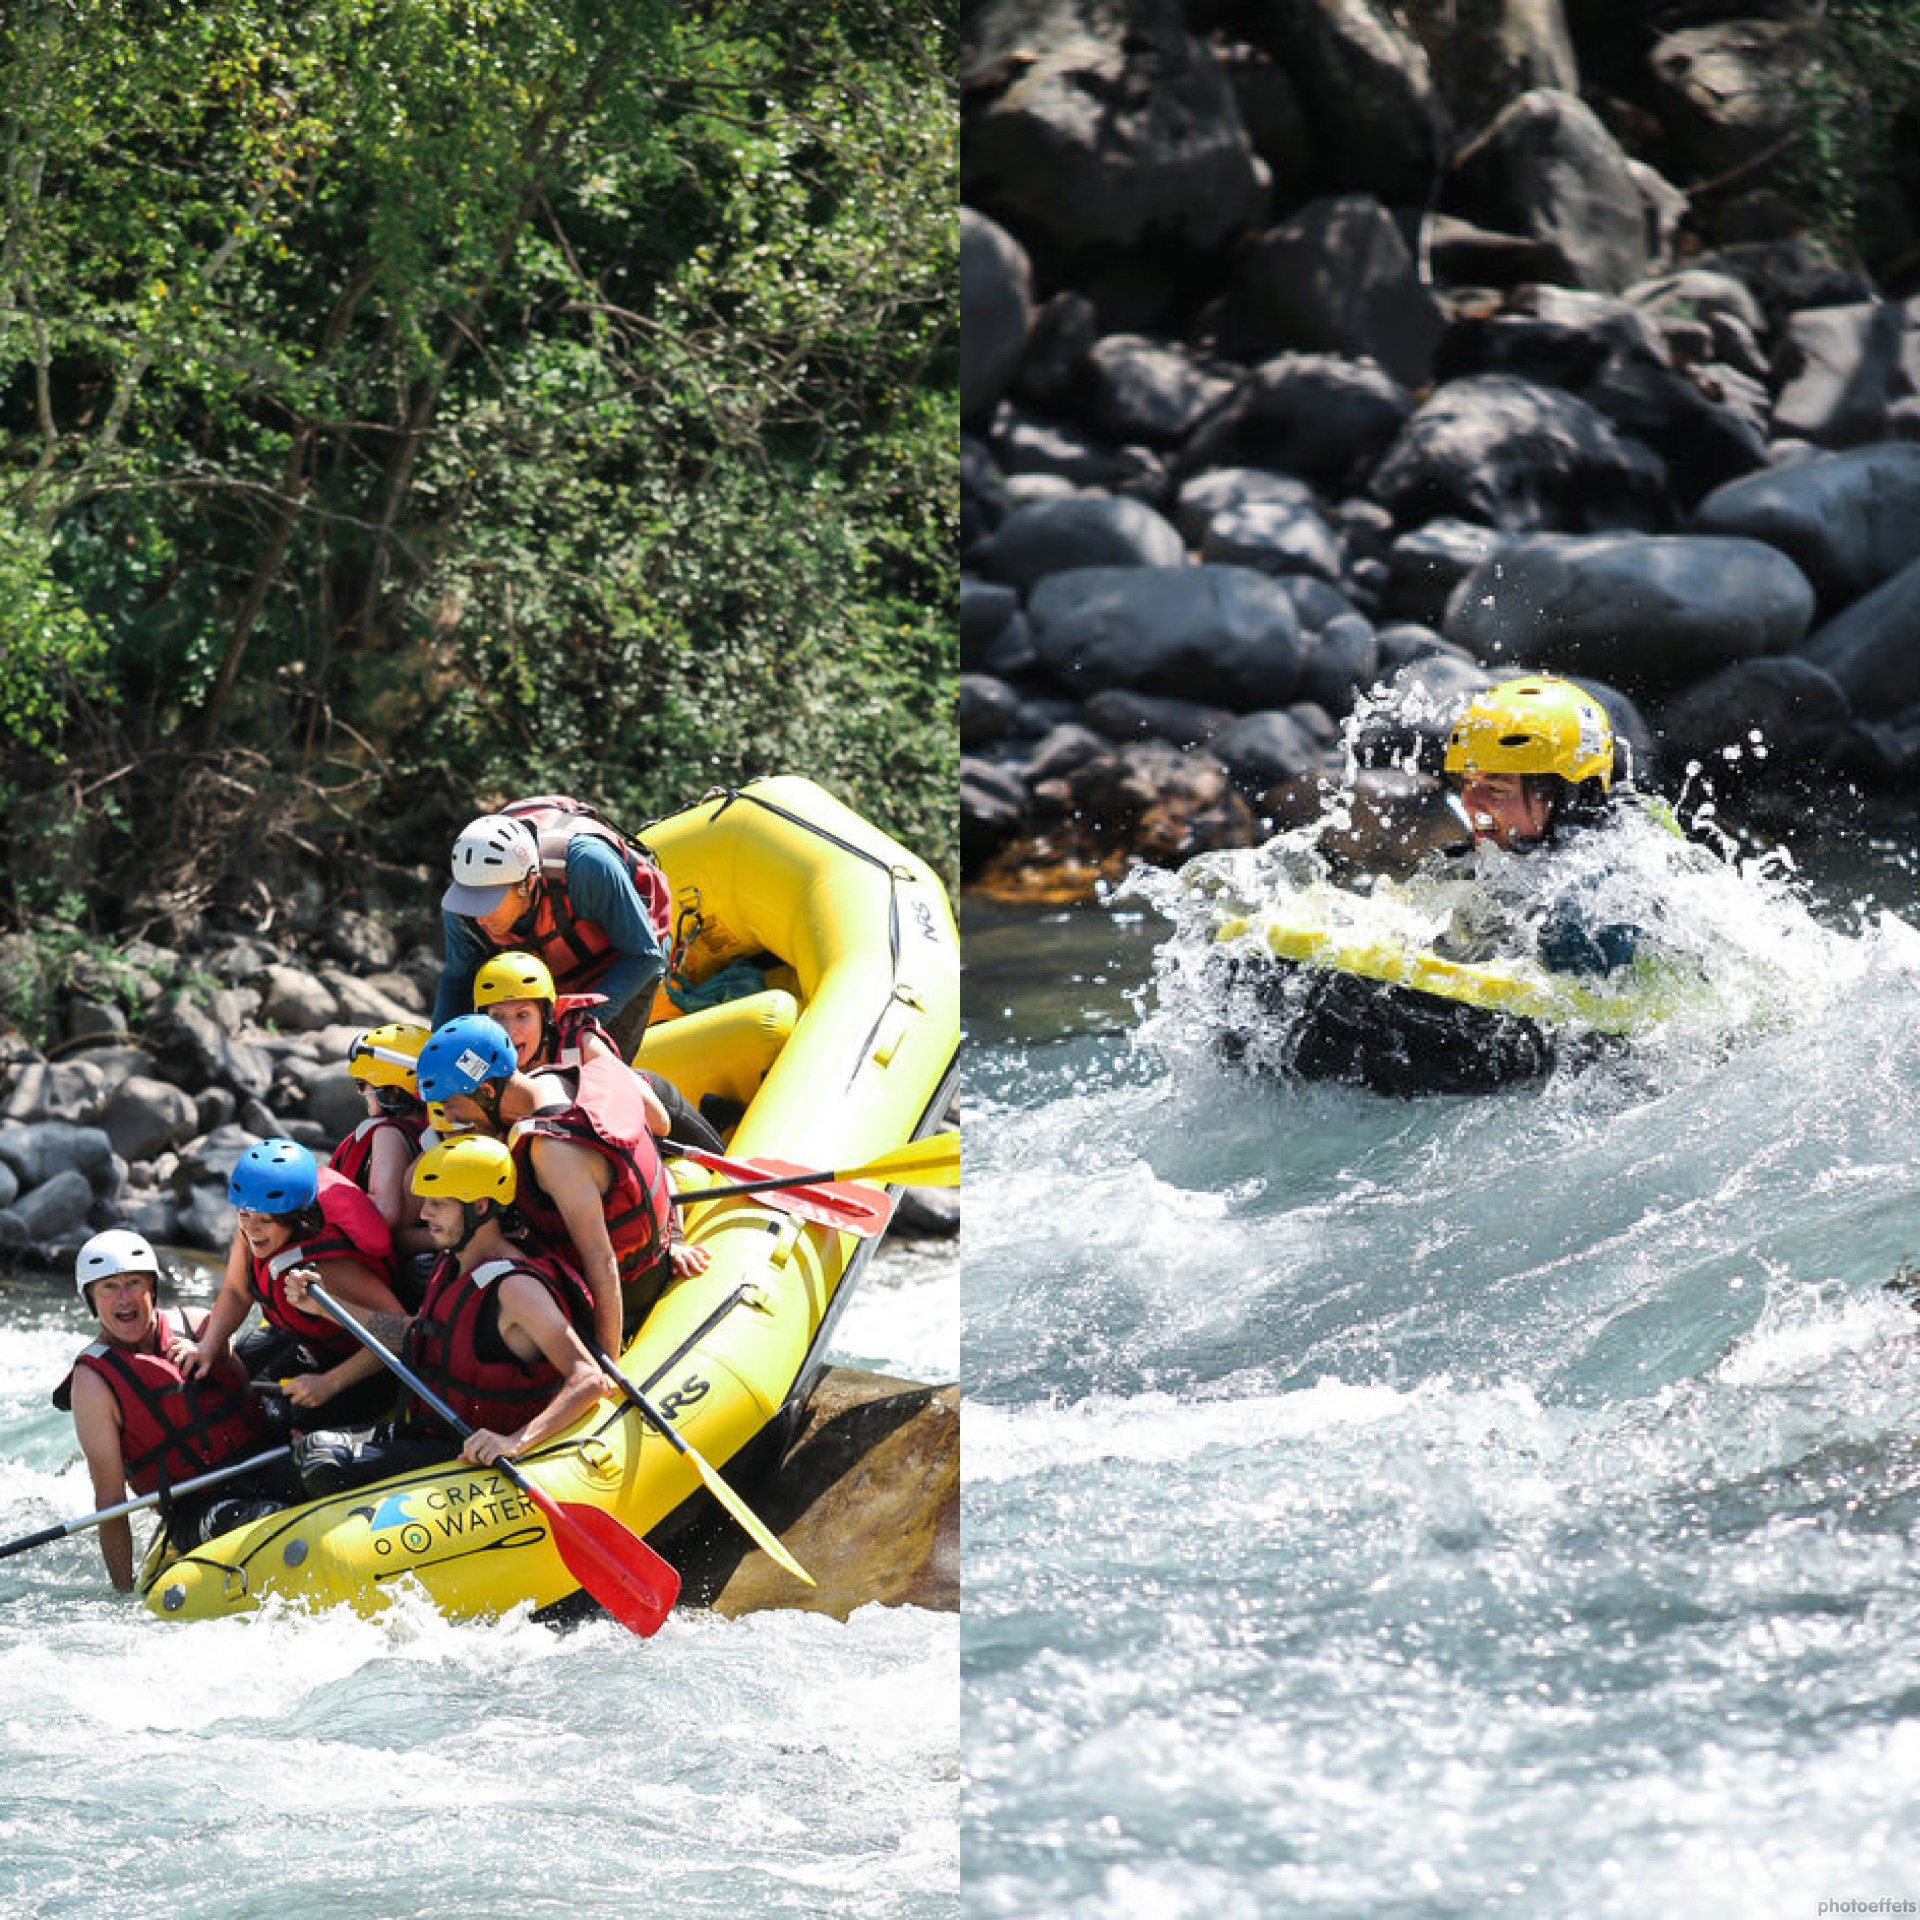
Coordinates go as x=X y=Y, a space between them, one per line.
x=471 y=1166
x=513 y=976
x=386 y=1056
x=1537 y=724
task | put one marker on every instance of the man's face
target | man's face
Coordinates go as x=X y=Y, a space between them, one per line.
x=1505 y=808
x=503 y=919
x=441 y=1218
x=123 y=1304
x=466 y=1114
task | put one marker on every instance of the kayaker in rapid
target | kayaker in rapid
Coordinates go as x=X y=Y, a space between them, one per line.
x=295 y=1213
x=139 y=1416
x=378 y=1155
x=500 y=1336
x=551 y=878
x=1530 y=764
x=591 y=1181
x=551 y=1029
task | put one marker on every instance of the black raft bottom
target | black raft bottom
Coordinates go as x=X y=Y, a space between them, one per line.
x=1317 y=1025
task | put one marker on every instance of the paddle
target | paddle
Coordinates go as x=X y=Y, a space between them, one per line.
x=231 y=1471
x=932 y=1162
x=850 y=1209
x=609 y=1560
x=763 y=1535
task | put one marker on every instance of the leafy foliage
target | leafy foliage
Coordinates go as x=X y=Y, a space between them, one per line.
x=1857 y=155
x=423 y=399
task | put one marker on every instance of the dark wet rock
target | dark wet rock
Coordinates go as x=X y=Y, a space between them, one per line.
x=1786 y=710
x=993 y=805
x=1147 y=390
x=1228 y=636
x=1425 y=565
x=194 y=1050
x=1260 y=750
x=1309 y=414
x=996 y=311
x=1118 y=713
x=146 y=1116
x=1650 y=613
x=1375 y=118
x=50 y=1214
x=39 y=1152
x=1025 y=444
x=1728 y=93
x=1483 y=55
x=1519 y=458
x=1547 y=169
x=1847 y=520
x=987 y=710
x=1338 y=277
x=1100 y=124
x=1342 y=657
x=1274 y=537
x=1849 y=369
x=1055 y=536
x=1220 y=490
x=1872 y=650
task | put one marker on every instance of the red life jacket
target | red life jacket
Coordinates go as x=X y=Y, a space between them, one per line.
x=353 y=1157
x=455 y=1345
x=168 y=1422
x=578 y=951
x=608 y=1113
x=352 y=1228
x=574 y=1024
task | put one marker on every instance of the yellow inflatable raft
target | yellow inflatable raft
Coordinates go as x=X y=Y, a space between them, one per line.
x=850 y=1051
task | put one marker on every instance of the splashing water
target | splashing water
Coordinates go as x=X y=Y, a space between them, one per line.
x=1449 y=1506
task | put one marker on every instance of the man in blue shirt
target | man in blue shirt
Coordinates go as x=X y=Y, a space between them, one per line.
x=568 y=888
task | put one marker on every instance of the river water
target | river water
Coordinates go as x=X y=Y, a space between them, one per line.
x=333 y=1768
x=1443 y=1506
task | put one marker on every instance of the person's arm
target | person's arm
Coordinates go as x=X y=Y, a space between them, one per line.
x=575 y=1179
x=96 y=1422
x=600 y=888
x=466 y=954
x=231 y=1305
x=531 y=1323
x=361 y=1292
x=390 y=1187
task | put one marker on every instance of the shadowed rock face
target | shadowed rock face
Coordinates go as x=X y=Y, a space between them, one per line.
x=866 y=1498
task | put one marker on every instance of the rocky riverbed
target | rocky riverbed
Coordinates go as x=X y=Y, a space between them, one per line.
x=1322 y=363
x=160 y=1066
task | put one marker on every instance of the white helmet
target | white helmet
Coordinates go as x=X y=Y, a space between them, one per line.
x=117 y=1250
x=492 y=853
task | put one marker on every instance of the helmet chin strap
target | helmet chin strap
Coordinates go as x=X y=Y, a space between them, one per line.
x=471 y=1221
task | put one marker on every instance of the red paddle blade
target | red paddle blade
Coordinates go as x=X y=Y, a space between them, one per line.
x=612 y=1562
x=839 y=1203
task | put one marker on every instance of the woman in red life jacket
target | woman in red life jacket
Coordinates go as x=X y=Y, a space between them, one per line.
x=378 y=1155
x=142 y=1423
x=552 y=1029
x=294 y=1213
x=590 y=1178
x=500 y=1336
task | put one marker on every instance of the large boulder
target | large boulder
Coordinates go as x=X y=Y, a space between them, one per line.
x=1549 y=170
x=866 y=1498
x=1090 y=125
x=1847 y=520
x=1872 y=650
x=1310 y=414
x=1337 y=277
x=1853 y=373
x=996 y=311
x=1520 y=458
x=1653 y=614
x=1227 y=636
x=1086 y=530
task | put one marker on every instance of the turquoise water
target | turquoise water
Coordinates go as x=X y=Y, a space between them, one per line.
x=1442 y=1507
x=336 y=1768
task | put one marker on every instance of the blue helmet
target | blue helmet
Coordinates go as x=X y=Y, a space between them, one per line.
x=463 y=1055
x=274 y=1176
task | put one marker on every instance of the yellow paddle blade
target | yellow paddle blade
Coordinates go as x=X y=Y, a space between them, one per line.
x=763 y=1536
x=932 y=1162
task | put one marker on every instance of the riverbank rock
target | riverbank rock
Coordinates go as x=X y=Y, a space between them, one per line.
x=866 y=1498
x=1517 y=357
